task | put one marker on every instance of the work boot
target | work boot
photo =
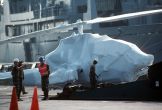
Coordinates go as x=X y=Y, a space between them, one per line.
x=45 y=98
x=19 y=99
x=25 y=92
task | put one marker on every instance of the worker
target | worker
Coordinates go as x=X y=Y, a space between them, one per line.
x=2 y=69
x=16 y=74
x=20 y=68
x=80 y=73
x=44 y=72
x=92 y=75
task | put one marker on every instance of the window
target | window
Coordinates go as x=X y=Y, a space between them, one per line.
x=82 y=9
x=106 y=8
x=13 y=30
x=18 y=6
x=6 y=31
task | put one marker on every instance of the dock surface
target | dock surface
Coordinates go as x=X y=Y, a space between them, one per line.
x=5 y=95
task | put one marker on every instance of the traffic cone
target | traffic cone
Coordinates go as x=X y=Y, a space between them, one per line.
x=35 y=105
x=14 y=103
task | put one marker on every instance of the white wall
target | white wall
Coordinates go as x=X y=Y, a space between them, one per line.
x=21 y=16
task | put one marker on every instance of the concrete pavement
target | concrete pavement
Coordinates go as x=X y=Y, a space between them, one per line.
x=5 y=95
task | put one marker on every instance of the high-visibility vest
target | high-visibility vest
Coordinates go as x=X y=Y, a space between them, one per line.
x=42 y=69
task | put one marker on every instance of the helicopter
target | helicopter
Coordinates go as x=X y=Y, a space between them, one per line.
x=80 y=25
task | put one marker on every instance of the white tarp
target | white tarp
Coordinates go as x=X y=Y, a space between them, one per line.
x=5 y=75
x=118 y=61
x=32 y=77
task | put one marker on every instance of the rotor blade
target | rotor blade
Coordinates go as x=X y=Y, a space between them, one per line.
x=123 y=16
x=71 y=26
x=41 y=32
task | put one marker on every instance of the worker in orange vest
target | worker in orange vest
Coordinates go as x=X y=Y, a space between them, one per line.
x=44 y=72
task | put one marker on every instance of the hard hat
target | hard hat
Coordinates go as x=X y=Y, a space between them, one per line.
x=16 y=60
x=94 y=61
x=41 y=59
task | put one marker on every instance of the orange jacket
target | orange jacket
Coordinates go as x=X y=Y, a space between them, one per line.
x=42 y=69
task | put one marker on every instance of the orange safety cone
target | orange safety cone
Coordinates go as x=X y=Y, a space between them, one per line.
x=14 y=103
x=35 y=105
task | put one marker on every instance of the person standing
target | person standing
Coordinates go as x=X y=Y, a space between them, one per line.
x=92 y=75
x=2 y=69
x=16 y=78
x=20 y=68
x=44 y=72
x=14 y=71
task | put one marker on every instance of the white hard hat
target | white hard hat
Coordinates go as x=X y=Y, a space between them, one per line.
x=16 y=60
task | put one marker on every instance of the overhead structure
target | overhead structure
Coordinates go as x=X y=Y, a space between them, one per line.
x=80 y=25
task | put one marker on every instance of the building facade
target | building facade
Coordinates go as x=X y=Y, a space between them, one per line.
x=18 y=17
